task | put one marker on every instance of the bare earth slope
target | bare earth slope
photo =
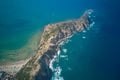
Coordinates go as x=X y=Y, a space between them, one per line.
x=38 y=66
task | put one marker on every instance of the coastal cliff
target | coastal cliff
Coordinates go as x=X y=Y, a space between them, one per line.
x=37 y=68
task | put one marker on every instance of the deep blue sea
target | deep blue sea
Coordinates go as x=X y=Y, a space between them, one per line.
x=90 y=55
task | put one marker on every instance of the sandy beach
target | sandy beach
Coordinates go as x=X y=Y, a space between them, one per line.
x=24 y=55
x=13 y=68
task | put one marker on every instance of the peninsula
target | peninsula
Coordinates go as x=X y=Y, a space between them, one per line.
x=37 y=68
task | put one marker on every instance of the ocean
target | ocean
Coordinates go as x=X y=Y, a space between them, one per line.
x=90 y=55
x=21 y=20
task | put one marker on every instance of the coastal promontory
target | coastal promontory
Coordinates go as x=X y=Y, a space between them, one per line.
x=37 y=68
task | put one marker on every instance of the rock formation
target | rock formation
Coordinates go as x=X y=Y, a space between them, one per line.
x=38 y=66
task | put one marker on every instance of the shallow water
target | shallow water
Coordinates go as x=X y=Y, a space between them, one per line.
x=91 y=55
x=21 y=19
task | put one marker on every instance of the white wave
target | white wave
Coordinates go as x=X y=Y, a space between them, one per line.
x=89 y=13
x=57 y=74
x=64 y=50
x=89 y=16
x=84 y=31
x=62 y=43
x=63 y=56
x=70 y=36
x=57 y=70
x=57 y=78
x=58 y=53
x=84 y=37
x=51 y=64
x=92 y=24
x=53 y=60
x=55 y=56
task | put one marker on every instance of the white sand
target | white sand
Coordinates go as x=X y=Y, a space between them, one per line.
x=13 y=68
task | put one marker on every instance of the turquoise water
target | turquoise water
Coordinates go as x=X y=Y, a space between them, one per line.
x=88 y=55
x=93 y=55
x=77 y=56
x=21 y=19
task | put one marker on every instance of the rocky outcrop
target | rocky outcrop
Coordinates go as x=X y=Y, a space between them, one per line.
x=38 y=67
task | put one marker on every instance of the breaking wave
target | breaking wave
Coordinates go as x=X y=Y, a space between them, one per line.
x=64 y=50
x=53 y=60
x=92 y=24
x=56 y=70
x=57 y=74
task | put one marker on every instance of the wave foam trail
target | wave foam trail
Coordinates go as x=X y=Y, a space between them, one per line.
x=84 y=31
x=92 y=24
x=62 y=43
x=63 y=56
x=83 y=37
x=56 y=70
x=51 y=64
x=57 y=74
x=53 y=60
x=64 y=50
x=58 y=53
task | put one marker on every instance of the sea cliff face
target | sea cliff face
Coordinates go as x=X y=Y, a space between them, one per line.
x=38 y=66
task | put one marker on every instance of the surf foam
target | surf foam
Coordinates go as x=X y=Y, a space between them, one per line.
x=56 y=70
x=64 y=50
x=57 y=74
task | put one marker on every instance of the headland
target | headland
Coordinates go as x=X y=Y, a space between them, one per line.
x=37 y=68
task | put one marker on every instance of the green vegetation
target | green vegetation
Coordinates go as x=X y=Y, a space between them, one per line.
x=24 y=74
x=28 y=69
x=46 y=37
x=52 y=31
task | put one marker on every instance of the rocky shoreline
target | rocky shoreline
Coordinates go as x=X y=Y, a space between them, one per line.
x=64 y=33
x=8 y=71
x=37 y=68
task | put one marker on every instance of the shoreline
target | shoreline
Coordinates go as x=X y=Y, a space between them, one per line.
x=60 y=43
x=54 y=41
x=13 y=68
x=37 y=67
x=23 y=53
